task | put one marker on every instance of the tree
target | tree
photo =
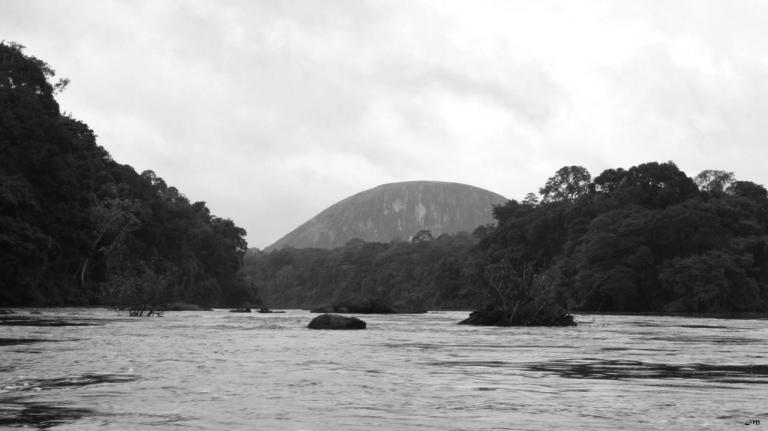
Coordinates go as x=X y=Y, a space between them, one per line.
x=423 y=235
x=657 y=184
x=748 y=189
x=568 y=183
x=113 y=220
x=511 y=286
x=530 y=200
x=610 y=180
x=714 y=281
x=713 y=181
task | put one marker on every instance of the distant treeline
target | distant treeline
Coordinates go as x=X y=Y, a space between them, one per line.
x=649 y=238
x=76 y=227
x=426 y=273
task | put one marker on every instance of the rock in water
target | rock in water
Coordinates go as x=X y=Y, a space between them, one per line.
x=335 y=321
x=240 y=310
x=486 y=318
x=526 y=315
x=396 y=211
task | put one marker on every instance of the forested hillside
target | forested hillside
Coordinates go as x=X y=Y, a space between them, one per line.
x=80 y=228
x=649 y=238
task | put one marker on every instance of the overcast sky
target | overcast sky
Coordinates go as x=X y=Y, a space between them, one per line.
x=271 y=111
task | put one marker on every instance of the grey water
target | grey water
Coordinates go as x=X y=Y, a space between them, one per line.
x=80 y=369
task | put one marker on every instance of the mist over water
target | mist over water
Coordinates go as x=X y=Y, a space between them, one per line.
x=95 y=369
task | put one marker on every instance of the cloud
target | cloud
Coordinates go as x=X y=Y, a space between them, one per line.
x=271 y=111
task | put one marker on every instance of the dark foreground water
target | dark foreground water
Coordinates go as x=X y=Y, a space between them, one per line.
x=82 y=369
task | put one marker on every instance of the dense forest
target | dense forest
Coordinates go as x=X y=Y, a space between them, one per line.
x=425 y=273
x=648 y=238
x=77 y=227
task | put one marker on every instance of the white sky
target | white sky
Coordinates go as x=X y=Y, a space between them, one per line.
x=271 y=111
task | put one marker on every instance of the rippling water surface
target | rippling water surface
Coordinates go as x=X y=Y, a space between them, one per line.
x=95 y=369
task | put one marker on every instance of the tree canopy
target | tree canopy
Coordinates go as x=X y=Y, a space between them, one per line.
x=639 y=239
x=644 y=239
x=568 y=183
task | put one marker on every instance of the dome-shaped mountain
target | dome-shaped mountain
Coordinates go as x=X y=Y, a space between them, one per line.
x=396 y=211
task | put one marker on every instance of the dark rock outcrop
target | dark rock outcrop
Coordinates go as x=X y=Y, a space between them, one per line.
x=396 y=211
x=335 y=321
x=356 y=306
x=240 y=310
x=551 y=315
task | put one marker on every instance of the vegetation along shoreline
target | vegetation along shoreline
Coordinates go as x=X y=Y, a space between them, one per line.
x=81 y=229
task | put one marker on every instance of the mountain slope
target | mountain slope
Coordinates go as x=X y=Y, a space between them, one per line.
x=396 y=211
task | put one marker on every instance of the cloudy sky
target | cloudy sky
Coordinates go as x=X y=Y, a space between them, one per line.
x=271 y=111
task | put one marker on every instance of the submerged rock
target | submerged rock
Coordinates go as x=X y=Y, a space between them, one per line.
x=240 y=310
x=335 y=321
x=524 y=315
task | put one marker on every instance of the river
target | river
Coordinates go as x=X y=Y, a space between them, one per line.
x=80 y=369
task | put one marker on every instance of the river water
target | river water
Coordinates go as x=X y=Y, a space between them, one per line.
x=79 y=369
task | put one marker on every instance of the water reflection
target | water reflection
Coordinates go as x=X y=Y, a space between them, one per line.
x=17 y=341
x=622 y=369
x=17 y=412
x=33 y=320
x=67 y=382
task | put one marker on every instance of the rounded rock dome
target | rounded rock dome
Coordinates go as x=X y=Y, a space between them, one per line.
x=396 y=211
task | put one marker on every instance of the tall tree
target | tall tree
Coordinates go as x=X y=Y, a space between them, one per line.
x=568 y=183
x=714 y=181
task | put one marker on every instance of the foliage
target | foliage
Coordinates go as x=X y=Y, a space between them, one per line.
x=76 y=227
x=423 y=235
x=568 y=183
x=645 y=238
x=408 y=276
x=711 y=180
x=80 y=228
